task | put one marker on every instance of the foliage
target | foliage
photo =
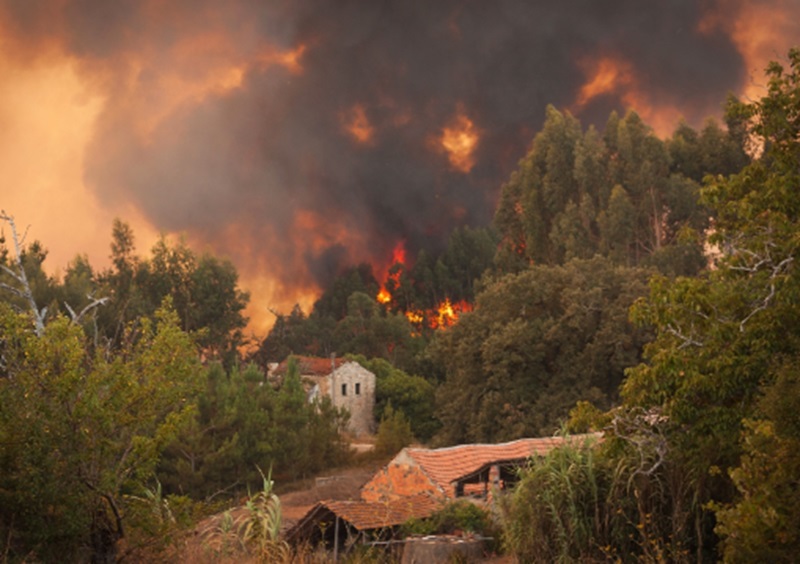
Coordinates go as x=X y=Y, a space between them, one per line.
x=394 y=432
x=764 y=522
x=457 y=516
x=537 y=342
x=79 y=431
x=203 y=290
x=554 y=513
x=589 y=502
x=624 y=194
x=261 y=530
x=727 y=336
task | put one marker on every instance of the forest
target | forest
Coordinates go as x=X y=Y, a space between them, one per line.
x=638 y=286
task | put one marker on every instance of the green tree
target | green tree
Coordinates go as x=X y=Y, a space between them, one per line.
x=577 y=194
x=243 y=423
x=724 y=338
x=394 y=432
x=204 y=291
x=537 y=342
x=80 y=431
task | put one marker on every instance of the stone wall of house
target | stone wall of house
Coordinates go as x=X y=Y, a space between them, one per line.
x=353 y=387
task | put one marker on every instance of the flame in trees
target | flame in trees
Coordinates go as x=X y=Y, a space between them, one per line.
x=398 y=257
x=416 y=317
x=447 y=313
x=384 y=297
x=444 y=315
x=459 y=139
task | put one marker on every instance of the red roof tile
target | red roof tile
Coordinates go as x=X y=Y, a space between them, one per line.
x=310 y=366
x=364 y=515
x=444 y=465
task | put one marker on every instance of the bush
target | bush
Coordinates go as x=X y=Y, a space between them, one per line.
x=394 y=432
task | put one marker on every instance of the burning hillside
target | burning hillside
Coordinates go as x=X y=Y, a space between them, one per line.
x=298 y=138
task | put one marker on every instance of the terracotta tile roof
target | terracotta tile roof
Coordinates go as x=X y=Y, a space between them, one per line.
x=445 y=465
x=364 y=515
x=418 y=480
x=310 y=366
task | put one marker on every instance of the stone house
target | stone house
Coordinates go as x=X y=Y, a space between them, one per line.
x=348 y=384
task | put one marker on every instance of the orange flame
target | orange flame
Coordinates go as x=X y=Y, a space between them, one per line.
x=614 y=75
x=415 y=317
x=606 y=75
x=459 y=140
x=761 y=31
x=356 y=123
x=398 y=257
x=447 y=313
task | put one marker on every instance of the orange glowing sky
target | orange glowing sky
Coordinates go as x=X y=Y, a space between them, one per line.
x=57 y=104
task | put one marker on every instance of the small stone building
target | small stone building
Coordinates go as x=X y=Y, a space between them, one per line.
x=346 y=383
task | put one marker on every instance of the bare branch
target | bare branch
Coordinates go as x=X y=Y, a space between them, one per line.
x=20 y=276
x=644 y=431
x=687 y=340
x=95 y=302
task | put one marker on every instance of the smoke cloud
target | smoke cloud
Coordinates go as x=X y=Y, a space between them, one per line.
x=297 y=137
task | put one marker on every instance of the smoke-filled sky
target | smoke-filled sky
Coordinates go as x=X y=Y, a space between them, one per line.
x=298 y=136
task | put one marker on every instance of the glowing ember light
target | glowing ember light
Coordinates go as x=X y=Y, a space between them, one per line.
x=356 y=123
x=459 y=140
x=415 y=317
x=447 y=313
x=384 y=297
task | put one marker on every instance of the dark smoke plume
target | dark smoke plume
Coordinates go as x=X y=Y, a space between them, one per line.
x=266 y=170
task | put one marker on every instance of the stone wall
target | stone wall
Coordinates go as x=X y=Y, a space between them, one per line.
x=353 y=387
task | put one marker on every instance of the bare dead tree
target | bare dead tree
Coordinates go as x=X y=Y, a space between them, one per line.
x=17 y=273
x=22 y=289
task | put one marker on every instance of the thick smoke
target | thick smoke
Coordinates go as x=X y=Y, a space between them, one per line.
x=229 y=120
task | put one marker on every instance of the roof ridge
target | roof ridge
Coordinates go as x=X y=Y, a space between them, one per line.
x=507 y=443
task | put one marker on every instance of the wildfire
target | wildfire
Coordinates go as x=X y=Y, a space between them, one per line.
x=398 y=257
x=444 y=315
x=448 y=313
x=614 y=75
x=356 y=123
x=415 y=317
x=756 y=28
x=605 y=76
x=459 y=140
